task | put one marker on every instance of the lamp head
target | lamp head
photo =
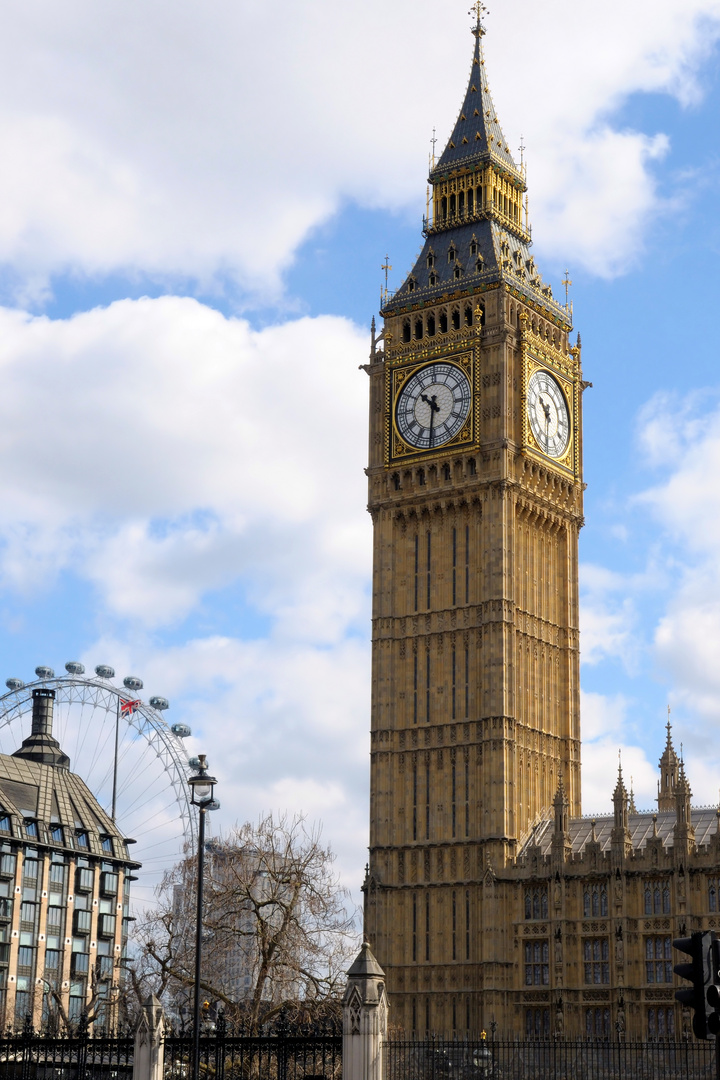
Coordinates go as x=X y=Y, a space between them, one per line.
x=202 y=784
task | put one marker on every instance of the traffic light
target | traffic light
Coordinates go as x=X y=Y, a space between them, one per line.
x=702 y=972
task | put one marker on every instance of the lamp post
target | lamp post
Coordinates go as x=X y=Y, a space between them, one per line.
x=202 y=788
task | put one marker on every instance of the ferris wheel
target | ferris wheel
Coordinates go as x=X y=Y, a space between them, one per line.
x=134 y=762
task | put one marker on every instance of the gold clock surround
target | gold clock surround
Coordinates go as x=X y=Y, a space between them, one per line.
x=397 y=448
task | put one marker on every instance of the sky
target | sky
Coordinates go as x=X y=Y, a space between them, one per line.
x=195 y=204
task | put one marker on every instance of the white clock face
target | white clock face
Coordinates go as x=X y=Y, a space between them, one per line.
x=433 y=405
x=548 y=414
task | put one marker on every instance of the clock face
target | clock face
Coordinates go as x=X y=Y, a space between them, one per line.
x=548 y=414
x=433 y=405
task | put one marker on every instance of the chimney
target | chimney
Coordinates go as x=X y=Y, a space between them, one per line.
x=40 y=745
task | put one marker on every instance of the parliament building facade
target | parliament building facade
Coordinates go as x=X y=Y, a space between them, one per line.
x=490 y=902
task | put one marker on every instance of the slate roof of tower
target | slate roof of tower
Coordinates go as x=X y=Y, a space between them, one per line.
x=48 y=794
x=477 y=134
x=704 y=821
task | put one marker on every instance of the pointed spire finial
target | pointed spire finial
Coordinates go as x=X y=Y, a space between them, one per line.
x=478 y=10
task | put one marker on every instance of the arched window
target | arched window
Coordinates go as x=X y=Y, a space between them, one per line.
x=443 y=322
x=446 y=476
x=406 y=330
x=456 y=319
x=470 y=202
x=431 y=326
x=418 y=329
x=468 y=315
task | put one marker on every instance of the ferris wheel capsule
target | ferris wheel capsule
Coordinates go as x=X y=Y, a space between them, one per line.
x=104 y=671
x=14 y=684
x=181 y=730
x=43 y=672
x=160 y=703
x=74 y=668
x=194 y=762
x=132 y=682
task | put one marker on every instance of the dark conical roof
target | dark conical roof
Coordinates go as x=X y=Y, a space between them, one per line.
x=477 y=134
x=365 y=964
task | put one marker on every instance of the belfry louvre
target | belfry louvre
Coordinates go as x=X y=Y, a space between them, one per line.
x=489 y=900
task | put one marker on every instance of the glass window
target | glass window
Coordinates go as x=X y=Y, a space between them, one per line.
x=597 y=1023
x=30 y=869
x=81 y=838
x=4 y=823
x=537 y=1023
x=656 y=896
x=82 y=922
x=107 y=844
x=52 y=959
x=661 y=1023
x=537 y=963
x=658 y=960
x=7 y=865
x=26 y=958
x=27 y=912
x=84 y=880
x=536 y=902
x=56 y=834
x=31 y=829
x=80 y=963
x=55 y=916
x=596 y=959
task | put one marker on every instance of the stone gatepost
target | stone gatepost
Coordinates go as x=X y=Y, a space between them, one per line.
x=364 y=1019
x=149 y=1057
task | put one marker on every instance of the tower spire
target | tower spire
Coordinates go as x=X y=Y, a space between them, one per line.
x=669 y=771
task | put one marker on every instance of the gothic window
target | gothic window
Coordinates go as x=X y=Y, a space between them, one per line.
x=661 y=1023
x=406 y=330
x=657 y=897
x=418 y=329
x=451 y=254
x=411 y=285
x=458 y=271
x=443 y=322
x=470 y=202
x=658 y=960
x=431 y=260
x=456 y=319
x=431 y=324
x=473 y=247
x=536 y=902
x=537 y=1023
x=597 y=1023
x=443 y=208
x=595 y=901
x=537 y=963
x=596 y=960
x=479 y=264
x=468 y=315
x=396 y=481
x=471 y=467
x=446 y=471
x=713 y=894
x=433 y=281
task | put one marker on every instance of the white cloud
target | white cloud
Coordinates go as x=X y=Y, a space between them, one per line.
x=161 y=450
x=207 y=147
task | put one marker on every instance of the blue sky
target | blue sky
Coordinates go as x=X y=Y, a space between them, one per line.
x=195 y=205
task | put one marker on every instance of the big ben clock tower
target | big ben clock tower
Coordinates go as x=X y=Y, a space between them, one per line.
x=475 y=490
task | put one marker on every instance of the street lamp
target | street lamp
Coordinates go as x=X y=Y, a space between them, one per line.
x=202 y=789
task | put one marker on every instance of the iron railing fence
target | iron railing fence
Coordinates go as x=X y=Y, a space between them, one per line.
x=27 y=1055
x=263 y=1057
x=486 y=1059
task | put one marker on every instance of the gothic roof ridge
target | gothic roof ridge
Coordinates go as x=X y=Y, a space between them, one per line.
x=476 y=134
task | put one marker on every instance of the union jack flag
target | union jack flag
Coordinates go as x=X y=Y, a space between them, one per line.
x=129 y=707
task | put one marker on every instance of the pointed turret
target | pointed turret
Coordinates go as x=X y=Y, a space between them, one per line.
x=620 y=841
x=477 y=136
x=477 y=232
x=561 y=844
x=684 y=833
x=668 y=773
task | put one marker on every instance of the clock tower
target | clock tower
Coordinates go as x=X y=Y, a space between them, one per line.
x=475 y=490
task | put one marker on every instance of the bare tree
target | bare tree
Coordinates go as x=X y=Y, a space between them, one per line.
x=277 y=929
